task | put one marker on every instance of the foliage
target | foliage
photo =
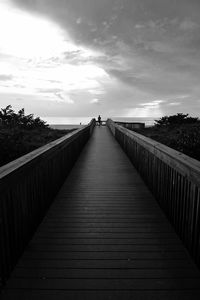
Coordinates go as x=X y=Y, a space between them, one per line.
x=188 y=140
x=179 y=132
x=20 y=134
x=178 y=119
x=8 y=118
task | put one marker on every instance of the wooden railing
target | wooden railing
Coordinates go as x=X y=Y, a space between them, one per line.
x=173 y=178
x=103 y=122
x=131 y=125
x=28 y=186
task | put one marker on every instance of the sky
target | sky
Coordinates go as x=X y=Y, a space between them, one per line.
x=82 y=58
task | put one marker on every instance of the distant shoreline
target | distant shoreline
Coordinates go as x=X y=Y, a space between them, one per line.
x=76 y=121
x=148 y=123
x=65 y=126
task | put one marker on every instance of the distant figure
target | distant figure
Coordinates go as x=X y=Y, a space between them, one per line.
x=99 y=120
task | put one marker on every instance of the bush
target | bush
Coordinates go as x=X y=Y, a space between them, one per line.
x=178 y=119
x=188 y=141
x=20 y=134
x=10 y=119
x=180 y=132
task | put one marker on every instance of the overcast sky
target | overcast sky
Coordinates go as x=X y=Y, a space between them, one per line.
x=134 y=58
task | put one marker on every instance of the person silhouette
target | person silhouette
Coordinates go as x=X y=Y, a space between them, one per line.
x=99 y=120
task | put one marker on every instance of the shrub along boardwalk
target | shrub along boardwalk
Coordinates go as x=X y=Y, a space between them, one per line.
x=104 y=237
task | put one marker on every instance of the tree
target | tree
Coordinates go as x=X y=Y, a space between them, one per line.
x=6 y=115
x=178 y=119
x=10 y=119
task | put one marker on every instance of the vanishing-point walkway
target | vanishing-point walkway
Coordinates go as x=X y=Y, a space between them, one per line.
x=104 y=237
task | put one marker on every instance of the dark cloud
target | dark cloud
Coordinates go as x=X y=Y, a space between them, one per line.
x=168 y=85
x=80 y=18
x=99 y=24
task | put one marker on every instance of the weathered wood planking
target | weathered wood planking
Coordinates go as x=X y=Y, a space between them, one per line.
x=27 y=187
x=174 y=179
x=104 y=237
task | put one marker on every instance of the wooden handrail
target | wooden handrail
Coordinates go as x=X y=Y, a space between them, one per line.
x=174 y=179
x=28 y=186
x=131 y=125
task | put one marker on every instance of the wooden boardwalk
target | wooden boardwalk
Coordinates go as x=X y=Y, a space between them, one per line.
x=104 y=237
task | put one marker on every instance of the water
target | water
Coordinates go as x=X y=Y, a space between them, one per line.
x=67 y=120
x=66 y=126
x=148 y=121
x=78 y=122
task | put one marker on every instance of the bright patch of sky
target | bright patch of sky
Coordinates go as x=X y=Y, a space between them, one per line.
x=25 y=36
x=33 y=52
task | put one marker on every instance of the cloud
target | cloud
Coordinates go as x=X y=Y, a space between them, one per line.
x=49 y=90
x=174 y=103
x=188 y=25
x=95 y=101
x=149 y=111
x=4 y=77
x=97 y=92
x=79 y=21
x=64 y=98
x=139 y=26
x=133 y=50
x=153 y=103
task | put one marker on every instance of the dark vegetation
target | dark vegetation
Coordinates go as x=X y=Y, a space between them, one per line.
x=20 y=134
x=180 y=132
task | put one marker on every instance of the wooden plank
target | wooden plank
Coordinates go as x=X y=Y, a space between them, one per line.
x=106 y=273
x=101 y=295
x=106 y=247
x=96 y=235
x=120 y=230
x=104 y=236
x=105 y=263
x=105 y=284
x=112 y=241
x=62 y=255
x=138 y=225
